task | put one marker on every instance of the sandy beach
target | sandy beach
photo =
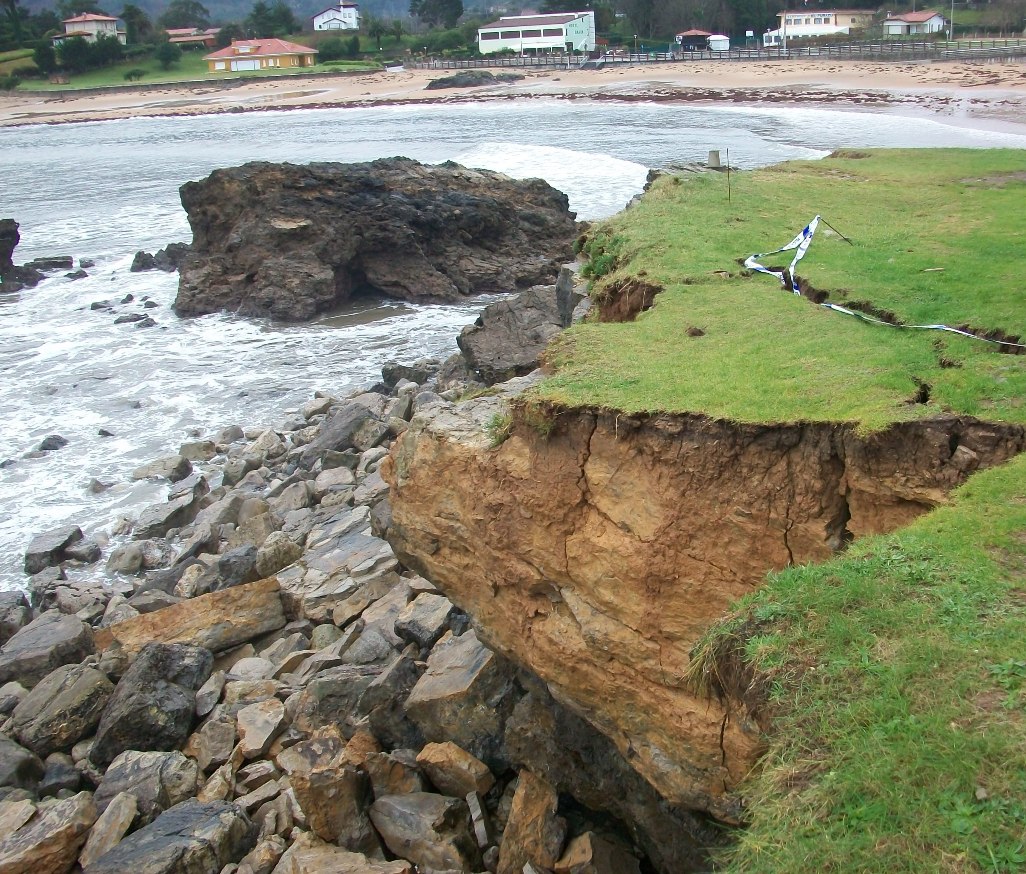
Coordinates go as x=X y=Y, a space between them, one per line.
x=975 y=93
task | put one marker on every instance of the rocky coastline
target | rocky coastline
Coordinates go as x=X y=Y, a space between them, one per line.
x=261 y=685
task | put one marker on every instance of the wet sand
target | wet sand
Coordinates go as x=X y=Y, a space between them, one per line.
x=967 y=92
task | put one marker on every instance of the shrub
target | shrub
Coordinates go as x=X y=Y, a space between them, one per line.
x=167 y=55
x=330 y=49
x=9 y=83
x=134 y=75
x=27 y=71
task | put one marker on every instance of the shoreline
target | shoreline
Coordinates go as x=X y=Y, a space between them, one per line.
x=962 y=92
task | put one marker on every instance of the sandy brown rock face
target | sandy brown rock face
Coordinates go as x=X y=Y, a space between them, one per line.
x=291 y=241
x=597 y=556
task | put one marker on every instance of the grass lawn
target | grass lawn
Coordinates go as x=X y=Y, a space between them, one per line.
x=894 y=677
x=12 y=60
x=191 y=68
x=897 y=676
x=938 y=236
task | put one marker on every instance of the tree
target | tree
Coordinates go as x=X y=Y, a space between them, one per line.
x=71 y=8
x=227 y=34
x=397 y=30
x=283 y=21
x=352 y=46
x=260 y=23
x=13 y=14
x=138 y=27
x=107 y=50
x=185 y=13
x=45 y=58
x=437 y=12
x=75 y=54
x=330 y=49
x=167 y=55
x=376 y=29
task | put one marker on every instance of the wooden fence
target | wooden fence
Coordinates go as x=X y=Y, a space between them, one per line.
x=898 y=50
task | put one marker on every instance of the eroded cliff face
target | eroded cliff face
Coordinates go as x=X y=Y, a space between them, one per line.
x=597 y=554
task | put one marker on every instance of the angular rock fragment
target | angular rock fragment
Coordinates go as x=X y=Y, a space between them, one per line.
x=534 y=833
x=454 y=771
x=49 y=842
x=157 y=780
x=64 y=707
x=190 y=837
x=46 y=643
x=430 y=830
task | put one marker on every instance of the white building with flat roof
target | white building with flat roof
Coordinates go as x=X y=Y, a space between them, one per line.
x=804 y=23
x=563 y=32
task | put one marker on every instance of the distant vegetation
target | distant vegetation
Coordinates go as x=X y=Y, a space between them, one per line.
x=391 y=29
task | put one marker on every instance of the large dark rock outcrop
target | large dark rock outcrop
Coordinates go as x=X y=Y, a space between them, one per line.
x=12 y=277
x=291 y=241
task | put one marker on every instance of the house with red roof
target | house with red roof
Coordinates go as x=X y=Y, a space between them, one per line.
x=927 y=21
x=90 y=26
x=193 y=36
x=693 y=40
x=260 y=54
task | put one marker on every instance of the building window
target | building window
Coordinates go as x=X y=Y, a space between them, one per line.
x=530 y=33
x=510 y=34
x=491 y=34
x=219 y=65
x=552 y=31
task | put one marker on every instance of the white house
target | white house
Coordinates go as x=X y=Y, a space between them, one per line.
x=804 y=23
x=565 y=32
x=344 y=16
x=926 y=21
x=90 y=26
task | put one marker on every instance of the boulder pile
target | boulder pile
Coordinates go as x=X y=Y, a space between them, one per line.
x=261 y=687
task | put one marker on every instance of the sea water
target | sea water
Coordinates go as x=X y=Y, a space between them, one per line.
x=103 y=190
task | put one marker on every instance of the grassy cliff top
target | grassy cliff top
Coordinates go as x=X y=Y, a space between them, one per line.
x=893 y=677
x=939 y=236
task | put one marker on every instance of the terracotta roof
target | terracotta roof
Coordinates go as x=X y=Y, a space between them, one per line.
x=532 y=20
x=695 y=33
x=807 y=11
x=915 y=17
x=88 y=16
x=261 y=48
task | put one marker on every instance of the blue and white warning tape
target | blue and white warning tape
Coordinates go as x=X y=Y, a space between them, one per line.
x=801 y=245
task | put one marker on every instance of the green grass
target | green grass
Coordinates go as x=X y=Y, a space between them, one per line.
x=768 y=356
x=897 y=675
x=13 y=60
x=191 y=68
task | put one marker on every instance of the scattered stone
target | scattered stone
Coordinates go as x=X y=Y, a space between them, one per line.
x=216 y=621
x=49 y=842
x=47 y=549
x=190 y=838
x=15 y=614
x=534 y=833
x=454 y=771
x=211 y=745
x=46 y=643
x=61 y=776
x=174 y=468
x=154 y=703
x=126 y=559
x=19 y=767
x=63 y=708
x=259 y=724
x=110 y=827
x=464 y=697
x=310 y=855
x=52 y=443
x=14 y=814
x=158 y=780
x=432 y=831
x=335 y=800
x=209 y=693
x=590 y=854
x=424 y=620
